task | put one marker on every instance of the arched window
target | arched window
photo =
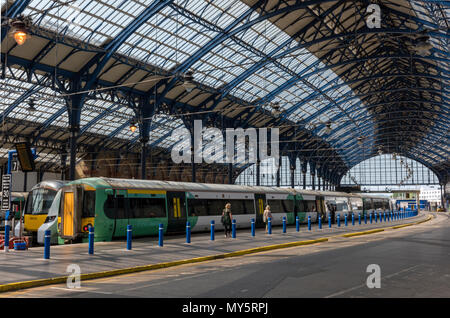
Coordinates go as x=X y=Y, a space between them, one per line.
x=389 y=170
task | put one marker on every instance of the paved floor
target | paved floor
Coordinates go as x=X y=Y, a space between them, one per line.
x=17 y=266
x=414 y=262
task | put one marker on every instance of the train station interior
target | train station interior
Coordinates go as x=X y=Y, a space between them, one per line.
x=120 y=114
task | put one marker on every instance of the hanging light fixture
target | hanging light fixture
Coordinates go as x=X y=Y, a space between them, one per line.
x=31 y=107
x=189 y=81
x=328 y=129
x=360 y=140
x=276 y=109
x=133 y=126
x=19 y=30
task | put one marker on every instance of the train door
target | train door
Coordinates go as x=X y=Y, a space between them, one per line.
x=71 y=210
x=320 y=204
x=176 y=210
x=121 y=214
x=259 y=202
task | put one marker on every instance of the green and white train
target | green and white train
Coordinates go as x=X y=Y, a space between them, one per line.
x=111 y=204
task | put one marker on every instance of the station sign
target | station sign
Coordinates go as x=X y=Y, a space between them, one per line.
x=6 y=192
x=14 y=163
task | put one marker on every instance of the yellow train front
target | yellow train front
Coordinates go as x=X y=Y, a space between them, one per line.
x=37 y=206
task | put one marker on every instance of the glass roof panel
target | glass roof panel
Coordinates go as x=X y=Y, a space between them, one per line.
x=92 y=21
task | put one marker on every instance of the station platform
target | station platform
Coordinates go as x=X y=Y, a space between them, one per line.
x=112 y=258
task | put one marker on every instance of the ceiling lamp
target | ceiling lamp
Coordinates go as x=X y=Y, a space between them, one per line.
x=19 y=31
x=328 y=129
x=133 y=126
x=360 y=140
x=31 y=107
x=188 y=79
x=276 y=109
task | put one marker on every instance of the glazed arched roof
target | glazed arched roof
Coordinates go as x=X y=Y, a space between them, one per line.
x=317 y=59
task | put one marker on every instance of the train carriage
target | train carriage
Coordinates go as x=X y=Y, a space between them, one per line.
x=338 y=205
x=112 y=204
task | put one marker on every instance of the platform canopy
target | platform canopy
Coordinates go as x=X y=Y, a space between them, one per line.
x=339 y=91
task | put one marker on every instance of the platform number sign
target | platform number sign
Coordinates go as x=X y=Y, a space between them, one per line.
x=6 y=192
x=14 y=163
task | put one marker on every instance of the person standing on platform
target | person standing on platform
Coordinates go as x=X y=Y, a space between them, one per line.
x=267 y=214
x=227 y=217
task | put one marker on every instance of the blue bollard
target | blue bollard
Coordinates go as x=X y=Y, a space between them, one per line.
x=7 y=230
x=253 y=228
x=269 y=226
x=359 y=218
x=91 y=240
x=233 y=229
x=371 y=215
x=345 y=219
x=284 y=224
x=384 y=216
x=339 y=220
x=212 y=230
x=188 y=232
x=353 y=219
x=320 y=222
x=161 y=235
x=129 y=236
x=297 y=224
x=329 y=221
x=309 y=222
x=47 y=238
x=365 y=218
x=381 y=217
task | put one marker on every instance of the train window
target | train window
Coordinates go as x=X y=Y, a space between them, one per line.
x=342 y=206
x=310 y=206
x=240 y=206
x=367 y=204
x=281 y=206
x=109 y=207
x=147 y=208
x=115 y=207
x=249 y=206
x=199 y=207
x=88 y=204
x=120 y=209
x=357 y=204
x=205 y=207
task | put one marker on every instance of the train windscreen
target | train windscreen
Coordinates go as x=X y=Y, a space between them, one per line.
x=39 y=201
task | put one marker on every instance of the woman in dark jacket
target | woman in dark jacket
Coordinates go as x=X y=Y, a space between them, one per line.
x=226 y=219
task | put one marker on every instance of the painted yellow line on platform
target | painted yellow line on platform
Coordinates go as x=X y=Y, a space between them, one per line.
x=411 y=224
x=363 y=233
x=84 y=277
